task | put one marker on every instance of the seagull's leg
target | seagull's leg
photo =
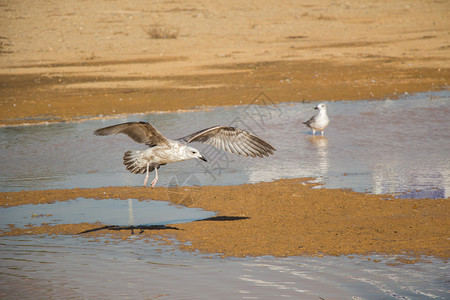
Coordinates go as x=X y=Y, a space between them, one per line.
x=146 y=176
x=156 y=177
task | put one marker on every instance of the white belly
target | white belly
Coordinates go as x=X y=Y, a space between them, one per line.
x=164 y=155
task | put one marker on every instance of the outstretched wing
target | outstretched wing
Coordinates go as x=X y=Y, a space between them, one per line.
x=140 y=132
x=233 y=140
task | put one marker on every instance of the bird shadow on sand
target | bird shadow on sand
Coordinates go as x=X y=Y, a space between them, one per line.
x=142 y=228
x=224 y=218
x=132 y=228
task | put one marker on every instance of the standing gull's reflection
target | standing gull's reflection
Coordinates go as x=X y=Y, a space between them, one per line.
x=321 y=144
x=130 y=213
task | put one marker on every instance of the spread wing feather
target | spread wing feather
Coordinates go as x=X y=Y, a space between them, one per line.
x=140 y=132
x=233 y=140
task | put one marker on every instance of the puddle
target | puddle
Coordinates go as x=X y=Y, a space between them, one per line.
x=383 y=146
x=66 y=267
x=130 y=212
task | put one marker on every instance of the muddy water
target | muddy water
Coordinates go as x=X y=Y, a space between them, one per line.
x=63 y=267
x=386 y=146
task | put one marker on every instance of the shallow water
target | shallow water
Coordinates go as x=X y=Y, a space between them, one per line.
x=67 y=267
x=131 y=212
x=383 y=146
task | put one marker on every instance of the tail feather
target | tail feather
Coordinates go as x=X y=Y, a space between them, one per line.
x=134 y=162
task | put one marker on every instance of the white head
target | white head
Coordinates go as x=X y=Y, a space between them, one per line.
x=321 y=107
x=191 y=152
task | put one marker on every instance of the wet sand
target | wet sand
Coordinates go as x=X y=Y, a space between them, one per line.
x=61 y=62
x=282 y=218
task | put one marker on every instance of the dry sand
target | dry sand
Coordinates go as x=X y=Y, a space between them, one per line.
x=67 y=60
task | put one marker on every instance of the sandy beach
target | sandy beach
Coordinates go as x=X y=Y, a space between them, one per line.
x=68 y=61
x=61 y=61
x=281 y=218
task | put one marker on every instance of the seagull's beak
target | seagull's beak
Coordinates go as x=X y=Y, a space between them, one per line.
x=203 y=158
x=316 y=107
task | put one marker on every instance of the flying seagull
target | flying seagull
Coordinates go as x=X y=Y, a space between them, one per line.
x=163 y=150
x=320 y=121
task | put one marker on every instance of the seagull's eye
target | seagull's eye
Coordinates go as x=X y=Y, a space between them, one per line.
x=193 y=152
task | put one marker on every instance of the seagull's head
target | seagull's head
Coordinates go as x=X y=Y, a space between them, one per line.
x=321 y=106
x=194 y=153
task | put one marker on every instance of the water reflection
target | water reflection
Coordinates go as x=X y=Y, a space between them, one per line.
x=321 y=145
x=446 y=185
x=378 y=146
x=383 y=146
x=67 y=267
x=130 y=213
x=107 y=211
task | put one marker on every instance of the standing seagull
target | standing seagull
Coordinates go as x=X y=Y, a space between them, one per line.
x=320 y=121
x=163 y=150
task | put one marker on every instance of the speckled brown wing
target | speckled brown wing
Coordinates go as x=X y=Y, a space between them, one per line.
x=233 y=140
x=140 y=132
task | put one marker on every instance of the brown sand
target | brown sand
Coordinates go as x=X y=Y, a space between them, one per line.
x=62 y=60
x=66 y=60
x=284 y=218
